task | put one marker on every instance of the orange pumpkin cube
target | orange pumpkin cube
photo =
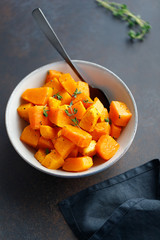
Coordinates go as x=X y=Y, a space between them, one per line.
x=98 y=105
x=65 y=97
x=54 y=84
x=38 y=96
x=38 y=115
x=104 y=115
x=90 y=150
x=74 y=152
x=68 y=83
x=30 y=136
x=53 y=102
x=64 y=146
x=83 y=87
x=51 y=74
x=53 y=160
x=119 y=113
x=77 y=164
x=78 y=136
x=86 y=100
x=40 y=155
x=89 y=119
x=115 y=131
x=59 y=117
x=78 y=109
x=23 y=111
x=45 y=143
x=106 y=147
x=100 y=129
x=47 y=132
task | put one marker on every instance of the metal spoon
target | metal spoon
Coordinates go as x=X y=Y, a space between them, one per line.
x=53 y=39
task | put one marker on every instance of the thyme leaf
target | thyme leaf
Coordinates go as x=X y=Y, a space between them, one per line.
x=75 y=121
x=76 y=92
x=59 y=97
x=106 y=119
x=47 y=151
x=87 y=101
x=68 y=114
x=121 y=11
x=73 y=112
x=45 y=112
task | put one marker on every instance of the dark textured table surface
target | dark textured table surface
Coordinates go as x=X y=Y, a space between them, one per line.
x=28 y=198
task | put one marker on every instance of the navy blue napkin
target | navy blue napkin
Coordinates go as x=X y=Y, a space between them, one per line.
x=125 y=207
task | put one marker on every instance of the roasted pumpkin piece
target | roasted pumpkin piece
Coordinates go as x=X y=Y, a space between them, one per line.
x=100 y=129
x=64 y=97
x=47 y=132
x=90 y=150
x=23 y=111
x=119 y=113
x=58 y=134
x=51 y=74
x=53 y=102
x=38 y=96
x=106 y=147
x=55 y=90
x=58 y=116
x=64 y=146
x=86 y=100
x=77 y=164
x=38 y=115
x=104 y=117
x=89 y=119
x=40 y=154
x=74 y=152
x=30 y=136
x=83 y=87
x=76 y=135
x=54 y=84
x=115 y=130
x=53 y=160
x=77 y=109
x=98 y=105
x=68 y=83
x=45 y=143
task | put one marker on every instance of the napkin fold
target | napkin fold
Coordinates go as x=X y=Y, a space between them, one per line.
x=125 y=207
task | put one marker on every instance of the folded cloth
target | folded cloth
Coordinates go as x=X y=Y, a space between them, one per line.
x=125 y=207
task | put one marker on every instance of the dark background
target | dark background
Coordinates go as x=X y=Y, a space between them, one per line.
x=28 y=198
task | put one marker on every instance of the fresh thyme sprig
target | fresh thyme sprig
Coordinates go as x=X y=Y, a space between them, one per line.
x=76 y=92
x=87 y=101
x=69 y=107
x=59 y=97
x=121 y=11
x=75 y=121
x=106 y=119
x=45 y=112
x=68 y=114
x=47 y=151
x=73 y=112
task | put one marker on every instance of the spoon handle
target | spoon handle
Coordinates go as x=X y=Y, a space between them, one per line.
x=52 y=37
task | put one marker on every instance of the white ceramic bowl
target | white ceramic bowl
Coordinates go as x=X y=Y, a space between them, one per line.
x=96 y=75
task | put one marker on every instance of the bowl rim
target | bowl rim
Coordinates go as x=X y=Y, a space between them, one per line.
x=79 y=174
